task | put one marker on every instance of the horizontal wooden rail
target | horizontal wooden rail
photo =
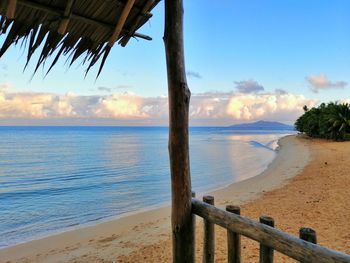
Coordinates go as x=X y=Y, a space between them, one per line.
x=287 y=244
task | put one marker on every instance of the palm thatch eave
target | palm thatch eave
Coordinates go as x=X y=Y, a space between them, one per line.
x=84 y=29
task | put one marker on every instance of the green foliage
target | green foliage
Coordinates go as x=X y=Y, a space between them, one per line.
x=330 y=121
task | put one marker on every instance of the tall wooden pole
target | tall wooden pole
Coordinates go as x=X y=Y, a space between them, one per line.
x=179 y=99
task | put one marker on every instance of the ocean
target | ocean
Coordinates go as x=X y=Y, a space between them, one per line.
x=53 y=179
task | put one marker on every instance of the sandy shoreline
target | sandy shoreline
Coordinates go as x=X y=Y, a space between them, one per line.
x=318 y=197
x=290 y=160
x=120 y=240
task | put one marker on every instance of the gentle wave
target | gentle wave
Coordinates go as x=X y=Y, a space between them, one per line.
x=57 y=178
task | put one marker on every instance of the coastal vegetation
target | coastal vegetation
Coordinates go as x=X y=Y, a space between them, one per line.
x=329 y=121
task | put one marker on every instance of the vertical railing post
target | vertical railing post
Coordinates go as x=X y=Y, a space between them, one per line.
x=233 y=239
x=308 y=234
x=209 y=235
x=266 y=253
x=179 y=100
x=194 y=227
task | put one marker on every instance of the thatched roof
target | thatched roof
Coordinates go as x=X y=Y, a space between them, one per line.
x=77 y=28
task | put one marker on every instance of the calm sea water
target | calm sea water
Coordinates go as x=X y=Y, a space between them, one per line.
x=57 y=178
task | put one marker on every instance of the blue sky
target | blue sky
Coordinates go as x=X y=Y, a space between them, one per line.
x=300 y=47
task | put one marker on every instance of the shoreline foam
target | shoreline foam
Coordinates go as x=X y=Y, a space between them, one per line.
x=153 y=225
x=291 y=158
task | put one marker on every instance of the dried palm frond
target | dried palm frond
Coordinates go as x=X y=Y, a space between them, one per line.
x=90 y=26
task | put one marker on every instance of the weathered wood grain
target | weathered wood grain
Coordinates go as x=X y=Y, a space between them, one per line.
x=11 y=9
x=121 y=21
x=179 y=99
x=233 y=239
x=209 y=235
x=266 y=253
x=308 y=235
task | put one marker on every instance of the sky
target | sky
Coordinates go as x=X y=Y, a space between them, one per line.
x=245 y=61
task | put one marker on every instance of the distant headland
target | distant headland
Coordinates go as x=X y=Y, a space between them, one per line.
x=262 y=125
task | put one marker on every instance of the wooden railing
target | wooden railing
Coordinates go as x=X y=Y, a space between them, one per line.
x=303 y=249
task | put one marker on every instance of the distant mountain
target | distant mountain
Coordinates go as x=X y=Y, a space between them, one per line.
x=262 y=125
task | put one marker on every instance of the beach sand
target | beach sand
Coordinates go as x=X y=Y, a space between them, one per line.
x=307 y=185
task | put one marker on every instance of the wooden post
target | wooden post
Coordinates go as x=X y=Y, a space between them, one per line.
x=11 y=9
x=266 y=253
x=194 y=228
x=233 y=239
x=308 y=234
x=179 y=100
x=120 y=24
x=66 y=17
x=209 y=235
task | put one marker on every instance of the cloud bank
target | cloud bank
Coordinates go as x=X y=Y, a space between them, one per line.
x=213 y=108
x=321 y=82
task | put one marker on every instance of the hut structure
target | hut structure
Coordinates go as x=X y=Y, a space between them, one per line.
x=88 y=29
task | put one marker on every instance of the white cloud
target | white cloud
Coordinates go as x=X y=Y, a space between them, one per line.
x=125 y=106
x=212 y=108
x=35 y=105
x=266 y=106
x=345 y=101
x=321 y=82
x=5 y=86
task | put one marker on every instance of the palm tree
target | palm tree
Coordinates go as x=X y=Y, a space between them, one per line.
x=339 y=120
x=330 y=121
